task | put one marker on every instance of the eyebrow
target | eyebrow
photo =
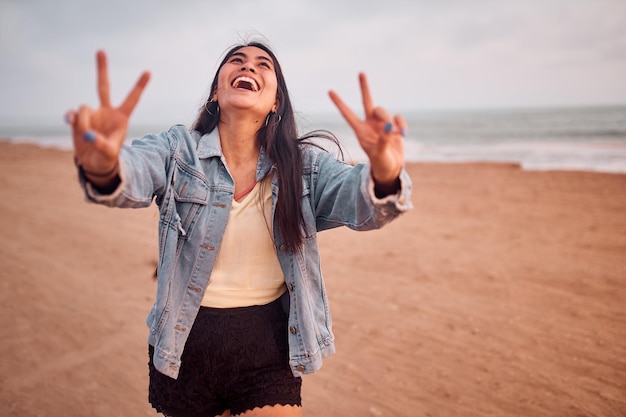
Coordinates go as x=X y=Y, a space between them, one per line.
x=261 y=57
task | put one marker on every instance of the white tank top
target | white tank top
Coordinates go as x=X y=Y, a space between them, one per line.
x=247 y=271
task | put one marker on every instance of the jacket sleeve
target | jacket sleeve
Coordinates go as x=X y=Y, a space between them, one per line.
x=343 y=195
x=143 y=171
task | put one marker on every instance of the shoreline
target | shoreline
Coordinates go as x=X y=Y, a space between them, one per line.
x=529 y=167
x=501 y=293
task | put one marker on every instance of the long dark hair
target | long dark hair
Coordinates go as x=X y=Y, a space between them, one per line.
x=279 y=138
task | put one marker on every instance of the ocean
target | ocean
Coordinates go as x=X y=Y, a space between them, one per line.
x=573 y=138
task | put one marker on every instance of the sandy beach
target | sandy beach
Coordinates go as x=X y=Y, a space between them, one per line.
x=503 y=293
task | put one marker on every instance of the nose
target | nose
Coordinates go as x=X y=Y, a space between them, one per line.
x=248 y=66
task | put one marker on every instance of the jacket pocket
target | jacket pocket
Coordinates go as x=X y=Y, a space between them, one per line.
x=191 y=193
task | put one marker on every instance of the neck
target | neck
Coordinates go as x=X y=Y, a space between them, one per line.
x=238 y=139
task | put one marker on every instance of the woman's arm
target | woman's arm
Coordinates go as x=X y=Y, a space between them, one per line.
x=344 y=195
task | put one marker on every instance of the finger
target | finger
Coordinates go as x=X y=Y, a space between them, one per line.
x=345 y=111
x=381 y=114
x=366 y=96
x=384 y=120
x=81 y=126
x=70 y=117
x=83 y=122
x=133 y=97
x=401 y=123
x=103 y=79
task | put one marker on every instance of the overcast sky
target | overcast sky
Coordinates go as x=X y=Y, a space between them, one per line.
x=418 y=54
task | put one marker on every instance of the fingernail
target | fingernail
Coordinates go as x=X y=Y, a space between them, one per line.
x=388 y=127
x=89 y=136
x=403 y=132
x=68 y=119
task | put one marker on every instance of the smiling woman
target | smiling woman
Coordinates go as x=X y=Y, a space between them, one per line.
x=241 y=312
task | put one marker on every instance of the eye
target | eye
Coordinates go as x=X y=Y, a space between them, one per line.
x=237 y=60
x=265 y=64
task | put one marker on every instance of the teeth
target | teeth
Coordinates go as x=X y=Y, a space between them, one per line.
x=249 y=80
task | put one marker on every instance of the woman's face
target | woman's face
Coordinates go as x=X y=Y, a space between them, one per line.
x=247 y=81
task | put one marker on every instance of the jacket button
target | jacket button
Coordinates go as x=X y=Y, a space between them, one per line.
x=290 y=287
x=283 y=247
x=292 y=330
x=300 y=368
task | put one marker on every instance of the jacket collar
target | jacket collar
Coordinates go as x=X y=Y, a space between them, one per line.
x=209 y=146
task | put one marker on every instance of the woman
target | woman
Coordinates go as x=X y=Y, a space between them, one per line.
x=241 y=312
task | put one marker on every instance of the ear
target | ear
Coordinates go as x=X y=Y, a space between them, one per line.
x=276 y=106
x=277 y=101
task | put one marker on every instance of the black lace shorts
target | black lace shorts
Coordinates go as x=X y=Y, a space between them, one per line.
x=235 y=359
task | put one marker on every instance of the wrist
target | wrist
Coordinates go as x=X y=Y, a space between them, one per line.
x=97 y=177
x=383 y=188
x=385 y=177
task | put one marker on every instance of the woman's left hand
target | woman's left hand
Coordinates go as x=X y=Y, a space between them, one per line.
x=380 y=135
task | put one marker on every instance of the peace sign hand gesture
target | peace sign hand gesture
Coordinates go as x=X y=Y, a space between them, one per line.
x=98 y=134
x=380 y=136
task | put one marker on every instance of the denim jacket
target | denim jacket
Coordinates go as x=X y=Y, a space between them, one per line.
x=187 y=176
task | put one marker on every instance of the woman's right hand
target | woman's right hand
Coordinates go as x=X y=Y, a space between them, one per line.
x=99 y=134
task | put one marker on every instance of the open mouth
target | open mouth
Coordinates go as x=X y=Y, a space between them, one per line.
x=245 y=83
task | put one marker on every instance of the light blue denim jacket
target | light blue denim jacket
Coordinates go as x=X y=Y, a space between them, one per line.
x=187 y=176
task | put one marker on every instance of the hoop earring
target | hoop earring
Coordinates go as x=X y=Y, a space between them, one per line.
x=267 y=119
x=209 y=111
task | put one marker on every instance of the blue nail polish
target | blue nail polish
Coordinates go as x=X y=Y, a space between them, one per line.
x=89 y=136
x=403 y=132
x=388 y=127
x=67 y=118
